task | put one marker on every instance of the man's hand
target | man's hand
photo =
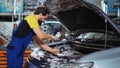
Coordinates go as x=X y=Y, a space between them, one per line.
x=56 y=51
x=54 y=37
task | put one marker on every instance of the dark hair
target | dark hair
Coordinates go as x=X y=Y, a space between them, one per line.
x=41 y=9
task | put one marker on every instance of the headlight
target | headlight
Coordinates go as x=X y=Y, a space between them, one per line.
x=86 y=65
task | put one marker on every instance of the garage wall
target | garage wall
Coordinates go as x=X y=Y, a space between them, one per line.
x=109 y=4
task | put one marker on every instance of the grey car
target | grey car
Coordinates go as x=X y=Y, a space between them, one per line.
x=82 y=18
x=89 y=28
x=103 y=59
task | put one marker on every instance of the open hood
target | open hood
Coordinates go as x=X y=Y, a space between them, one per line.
x=79 y=14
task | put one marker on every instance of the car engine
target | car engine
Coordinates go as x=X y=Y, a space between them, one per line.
x=66 y=59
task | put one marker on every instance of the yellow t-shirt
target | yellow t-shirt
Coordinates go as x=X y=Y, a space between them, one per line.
x=32 y=21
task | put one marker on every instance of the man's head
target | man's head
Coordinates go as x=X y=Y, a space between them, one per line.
x=42 y=13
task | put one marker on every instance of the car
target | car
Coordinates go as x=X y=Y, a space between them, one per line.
x=89 y=30
x=83 y=18
x=109 y=58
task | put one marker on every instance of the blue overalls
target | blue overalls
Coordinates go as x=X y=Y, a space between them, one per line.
x=15 y=50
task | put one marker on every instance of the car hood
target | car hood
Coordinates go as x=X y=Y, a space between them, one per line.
x=79 y=14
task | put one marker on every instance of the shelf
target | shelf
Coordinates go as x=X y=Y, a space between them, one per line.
x=9 y=14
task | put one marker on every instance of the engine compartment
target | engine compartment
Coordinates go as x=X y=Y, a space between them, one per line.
x=66 y=59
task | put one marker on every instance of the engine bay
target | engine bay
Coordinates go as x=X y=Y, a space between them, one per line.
x=66 y=59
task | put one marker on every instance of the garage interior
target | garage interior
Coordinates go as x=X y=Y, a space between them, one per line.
x=13 y=11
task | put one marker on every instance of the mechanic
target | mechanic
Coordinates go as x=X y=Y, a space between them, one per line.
x=28 y=29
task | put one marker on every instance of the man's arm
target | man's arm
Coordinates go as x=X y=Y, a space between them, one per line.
x=45 y=46
x=41 y=35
